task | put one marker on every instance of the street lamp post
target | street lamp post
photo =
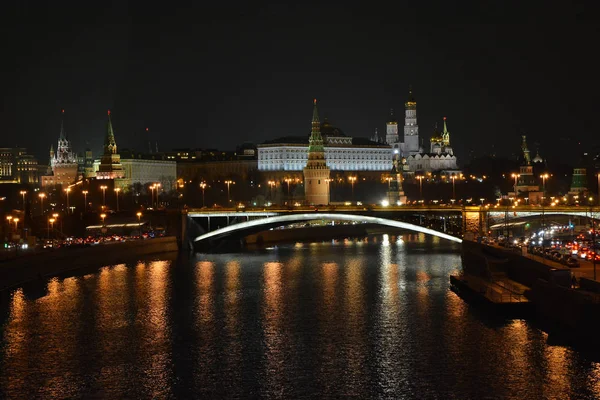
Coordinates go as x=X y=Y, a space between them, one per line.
x=23 y=193
x=453 y=177
x=67 y=190
x=157 y=185
x=50 y=225
x=139 y=215
x=117 y=190
x=42 y=195
x=203 y=186
x=352 y=179
x=271 y=184
x=85 y=192
x=516 y=176
x=228 y=183
x=103 y=216
x=288 y=180
x=420 y=178
x=544 y=177
x=103 y=187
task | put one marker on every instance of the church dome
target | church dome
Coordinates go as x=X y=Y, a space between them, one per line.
x=329 y=130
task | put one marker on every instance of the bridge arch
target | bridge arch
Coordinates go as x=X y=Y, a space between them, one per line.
x=285 y=219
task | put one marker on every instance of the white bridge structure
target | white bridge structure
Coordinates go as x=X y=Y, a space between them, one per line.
x=236 y=222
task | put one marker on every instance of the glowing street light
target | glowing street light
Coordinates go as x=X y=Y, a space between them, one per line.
x=42 y=195
x=352 y=179
x=203 y=187
x=271 y=184
x=453 y=177
x=103 y=187
x=103 y=216
x=85 y=193
x=23 y=193
x=288 y=180
x=16 y=221
x=67 y=191
x=516 y=176
x=420 y=178
x=228 y=183
x=139 y=215
x=50 y=225
x=117 y=190
x=157 y=186
x=544 y=177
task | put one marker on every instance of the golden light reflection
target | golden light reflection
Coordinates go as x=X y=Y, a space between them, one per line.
x=357 y=334
x=232 y=310
x=273 y=332
x=156 y=328
x=205 y=271
x=330 y=273
x=157 y=303
x=558 y=370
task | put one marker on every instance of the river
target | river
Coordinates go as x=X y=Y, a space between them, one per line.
x=365 y=318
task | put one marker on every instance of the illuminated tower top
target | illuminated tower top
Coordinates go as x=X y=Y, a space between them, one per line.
x=411 y=129
x=391 y=134
x=316 y=151
x=445 y=135
x=526 y=155
x=110 y=145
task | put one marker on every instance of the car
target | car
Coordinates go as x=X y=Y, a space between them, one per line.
x=573 y=263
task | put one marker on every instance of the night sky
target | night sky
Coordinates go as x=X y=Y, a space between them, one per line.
x=218 y=76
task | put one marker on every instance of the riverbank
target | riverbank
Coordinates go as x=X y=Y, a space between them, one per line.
x=33 y=266
x=564 y=310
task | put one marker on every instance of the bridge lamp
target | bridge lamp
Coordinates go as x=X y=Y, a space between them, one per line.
x=103 y=216
x=385 y=203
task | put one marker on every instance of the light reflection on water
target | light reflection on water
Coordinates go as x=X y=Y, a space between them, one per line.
x=356 y=318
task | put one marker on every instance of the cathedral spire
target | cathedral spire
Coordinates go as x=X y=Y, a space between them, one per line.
x=63 y=135
x=110 y=146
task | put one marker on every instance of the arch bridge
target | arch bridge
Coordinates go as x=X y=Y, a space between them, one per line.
x=210 y=226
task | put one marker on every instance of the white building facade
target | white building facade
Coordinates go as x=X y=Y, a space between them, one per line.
x=146 y=171
x=338 y=156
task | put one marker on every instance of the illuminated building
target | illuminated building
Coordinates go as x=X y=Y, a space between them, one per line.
x=439 y=159
x=17 y=166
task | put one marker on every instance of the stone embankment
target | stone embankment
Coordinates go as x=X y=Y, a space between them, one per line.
x=33 y=266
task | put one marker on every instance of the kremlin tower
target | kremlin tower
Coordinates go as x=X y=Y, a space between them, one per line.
x=110 y=163
x=63 y=165
x=316 y=172
x=411 y=129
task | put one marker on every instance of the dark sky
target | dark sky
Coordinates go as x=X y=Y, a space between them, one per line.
x=217 y=76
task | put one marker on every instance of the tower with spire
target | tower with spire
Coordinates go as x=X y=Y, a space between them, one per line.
x=63 y=166
x=411 y=128
x=526 y=182
x=391 y=133
x=110 y=163
x=316 y=172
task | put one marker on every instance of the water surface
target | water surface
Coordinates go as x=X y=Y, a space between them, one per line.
x=360 y=318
